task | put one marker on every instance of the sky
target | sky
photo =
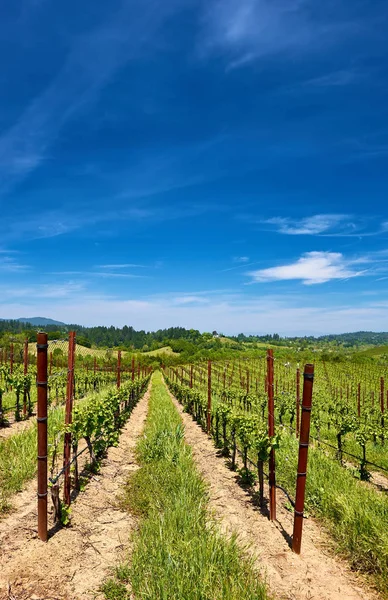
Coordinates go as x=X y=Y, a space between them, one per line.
x=215 y=164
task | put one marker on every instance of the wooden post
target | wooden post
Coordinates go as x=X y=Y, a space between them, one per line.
x=359 y=400
x=25 y=364
x=51 y=363
x=41 y=363
x=119 y=369
x=133 y=368
x=271 y=433
x=297 y=401
x=191 y=376
x=308 y=379
x=68 y=418
x=209 y=395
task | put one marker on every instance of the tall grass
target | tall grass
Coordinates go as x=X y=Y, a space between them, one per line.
x=179 y=552
x=354 y=513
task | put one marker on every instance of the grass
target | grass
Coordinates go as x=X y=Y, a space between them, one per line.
x=374 y=351
x=80 y=350
x=18 y=454
x=165 y=350
x=178 y=551
x=18 y=458
x=355 y=514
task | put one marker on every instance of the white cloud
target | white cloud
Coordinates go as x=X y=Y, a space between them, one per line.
x=241 y=259
x=313 y=225
x=311 y=268
x=328 y=225
x=182 y=300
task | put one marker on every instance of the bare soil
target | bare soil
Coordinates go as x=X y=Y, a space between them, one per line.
x=76 y=560
x=314 y=575
x=14 y=427
x=380 y=481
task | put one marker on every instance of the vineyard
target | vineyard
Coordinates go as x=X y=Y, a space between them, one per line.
x=349 y=448
x=305 y=443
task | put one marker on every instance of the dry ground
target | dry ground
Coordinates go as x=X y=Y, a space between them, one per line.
x=314 y=575
x=75 y=560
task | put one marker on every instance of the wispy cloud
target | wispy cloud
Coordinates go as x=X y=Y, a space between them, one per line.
x=9 y=264
x=314 y=225
x=328 y=225
x=310 y=268
x=93 y=60
x=53 y=223
x=183 y=300
x=39 y=291
x=251 y=29
x=240 y=259
x=118 y=275
x=339 y=78
x=102 y=274
x=122 y=266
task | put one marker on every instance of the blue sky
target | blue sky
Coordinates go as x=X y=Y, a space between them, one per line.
x=211 y=164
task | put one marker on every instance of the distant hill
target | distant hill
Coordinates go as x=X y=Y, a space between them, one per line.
x=372 y=338
x=40 y=321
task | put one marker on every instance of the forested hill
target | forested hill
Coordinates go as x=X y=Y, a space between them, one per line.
x=105 y=336
x=127 y=336
x=358 y=338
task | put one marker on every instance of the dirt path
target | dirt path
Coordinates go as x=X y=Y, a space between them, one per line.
x=76 y=560
x=314 y=575
x=15 y=427
x=380 y=481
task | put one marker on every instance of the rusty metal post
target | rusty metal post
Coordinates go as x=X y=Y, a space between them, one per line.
x=359 y=400
x=41 y=363
x=308 y=379
x=68 y=418
x=11 y=359
x=382 y=408
x=297 y=401
x=25 y=370
x=119 y=369
x=271 y=433
x=209 y=395
x=10 y=362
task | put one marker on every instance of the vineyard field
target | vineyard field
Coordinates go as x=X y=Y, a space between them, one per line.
x=229 y=404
